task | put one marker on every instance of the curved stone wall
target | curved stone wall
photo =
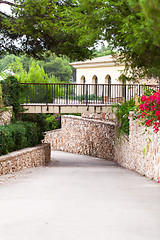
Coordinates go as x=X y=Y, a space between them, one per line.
x=84 y=136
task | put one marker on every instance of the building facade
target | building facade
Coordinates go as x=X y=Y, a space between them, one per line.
x=101 y=70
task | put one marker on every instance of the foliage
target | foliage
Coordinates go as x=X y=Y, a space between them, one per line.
x=131 y=27
x=36 y=26
x=39 y=120
x=90 y=97
x=54 y=121
x=122 y=114
x=103 y=51
x=57 y=66
x=17 y=136
x=51 y=69
x=148 y=91
x=149 y=110
x=12 y=94
x=6 y=60
x=45 y=122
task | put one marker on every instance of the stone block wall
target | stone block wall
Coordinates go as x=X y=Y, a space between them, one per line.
x=25 y=158
x=96 y=137
x=84 y=136
x=141 y=153
x=109 y=116
x=5 y=116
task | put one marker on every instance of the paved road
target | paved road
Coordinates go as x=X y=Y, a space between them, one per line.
x=79 y=198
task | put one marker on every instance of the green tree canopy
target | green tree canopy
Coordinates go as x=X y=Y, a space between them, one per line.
x=50 y=69
x=72 y=27
x=36 y=26
x=129 y=26
x=103 y=51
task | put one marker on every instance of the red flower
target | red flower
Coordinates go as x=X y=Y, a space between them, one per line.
x=157 y=113
x=143 y=98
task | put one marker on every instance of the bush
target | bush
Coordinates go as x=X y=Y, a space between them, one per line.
x=18 y=133
x=17 y=136
x=149 y=110
x=122 y=114
x=6 y=140
x=32 y=133
x=12 y=94
x=39 y=119
x=54 y=121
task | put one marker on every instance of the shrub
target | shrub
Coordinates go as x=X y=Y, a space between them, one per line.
x=149 y=110
x=18 y=133
x=122 y=114
x=32 y=133
x=54 y=121
x=12 y=93
x=6 y=141
x=17 y=136
x=39 y=120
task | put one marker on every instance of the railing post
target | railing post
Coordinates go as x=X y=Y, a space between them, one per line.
x=124 y=91
x=103 y=94
x=27 y=93
x=46 y=94
x=96 y=91
x=139 y=90
x=67 y=94
x=86 y=94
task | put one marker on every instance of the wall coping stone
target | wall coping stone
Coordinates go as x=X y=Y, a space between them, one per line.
x=51 y=131
x=21 y=151
x=89 y=120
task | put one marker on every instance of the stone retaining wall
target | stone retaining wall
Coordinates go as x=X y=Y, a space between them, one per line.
x=5 y=116
x=141 y=153
x=95 y=137
x=25 y=158
x=84 y=136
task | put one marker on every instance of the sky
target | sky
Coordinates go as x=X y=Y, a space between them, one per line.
x=5 y=8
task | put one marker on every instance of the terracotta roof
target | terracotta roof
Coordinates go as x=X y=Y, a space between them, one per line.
x=104 y=59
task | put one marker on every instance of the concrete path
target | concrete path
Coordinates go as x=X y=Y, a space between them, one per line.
x=79 y=198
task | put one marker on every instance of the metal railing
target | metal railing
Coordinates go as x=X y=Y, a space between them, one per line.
x=78 y=94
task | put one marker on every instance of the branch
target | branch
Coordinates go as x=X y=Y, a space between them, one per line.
x=8 y=3
x=4 y=14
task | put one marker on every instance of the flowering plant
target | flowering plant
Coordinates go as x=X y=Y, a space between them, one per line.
x=149 y=110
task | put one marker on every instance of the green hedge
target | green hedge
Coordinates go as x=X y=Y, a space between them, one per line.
x=12 y=94
x=18 y=135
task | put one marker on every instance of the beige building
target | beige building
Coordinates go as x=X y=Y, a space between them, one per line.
x=101 y=70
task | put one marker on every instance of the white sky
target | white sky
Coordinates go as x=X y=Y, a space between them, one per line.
x=5 y=8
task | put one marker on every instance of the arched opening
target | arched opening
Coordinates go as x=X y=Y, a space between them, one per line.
x=95 y=87
x=83 y=87
x=83 y=80
x=108 y=87
x=123 y=78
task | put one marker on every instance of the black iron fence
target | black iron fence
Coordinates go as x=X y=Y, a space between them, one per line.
x=67 y=94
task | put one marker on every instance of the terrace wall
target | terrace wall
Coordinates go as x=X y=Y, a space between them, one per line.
x=25 y=158
x=97 y=137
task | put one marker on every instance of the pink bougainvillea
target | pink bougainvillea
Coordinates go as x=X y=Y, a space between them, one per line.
x=149 y=110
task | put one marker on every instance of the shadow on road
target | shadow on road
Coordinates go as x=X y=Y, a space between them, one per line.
x=65 y=159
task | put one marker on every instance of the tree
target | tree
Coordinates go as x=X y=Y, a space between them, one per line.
x=129 y=26
x=37 y=27
x=72 y=27
x=103 y=51
x=57 y=66
x=50 y=69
